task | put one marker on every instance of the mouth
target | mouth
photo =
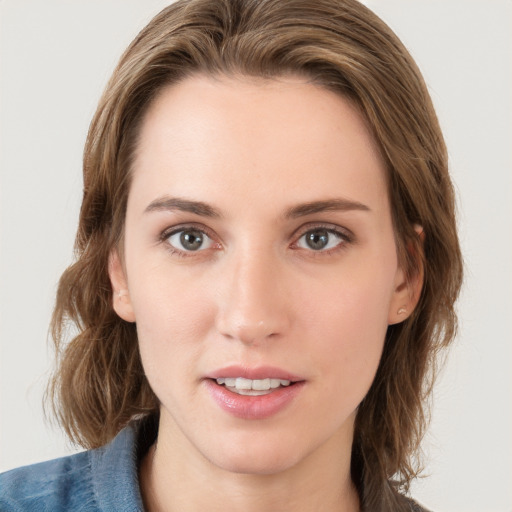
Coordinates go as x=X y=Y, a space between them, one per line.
x=252 y=387
x=253 y=393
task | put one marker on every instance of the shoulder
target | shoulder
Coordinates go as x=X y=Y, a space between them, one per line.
x=96 y=480
x=54 y=485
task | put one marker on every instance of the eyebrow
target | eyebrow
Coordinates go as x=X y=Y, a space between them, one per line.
x=337 y=204
x=185 y=205
x=205 y=210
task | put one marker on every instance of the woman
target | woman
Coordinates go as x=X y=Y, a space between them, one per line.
x=241 y=347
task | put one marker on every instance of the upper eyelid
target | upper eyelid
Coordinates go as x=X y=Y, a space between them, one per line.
x=334 y=228
x=166 y=233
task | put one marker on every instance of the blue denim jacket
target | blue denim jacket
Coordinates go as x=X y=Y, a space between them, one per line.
x=103 y=480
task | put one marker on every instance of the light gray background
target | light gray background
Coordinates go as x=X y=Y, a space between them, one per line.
x=55 y=58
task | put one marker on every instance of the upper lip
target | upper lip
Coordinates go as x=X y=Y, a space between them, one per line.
x=259 y=372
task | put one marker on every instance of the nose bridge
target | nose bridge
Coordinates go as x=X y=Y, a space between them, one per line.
x=253 y=306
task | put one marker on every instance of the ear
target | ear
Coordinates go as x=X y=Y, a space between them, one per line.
x=121 y=298
x=407 y=290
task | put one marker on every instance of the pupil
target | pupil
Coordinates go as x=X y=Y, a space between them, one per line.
x=317 y=239
x=191 y=240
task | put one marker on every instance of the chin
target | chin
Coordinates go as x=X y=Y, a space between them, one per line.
x=260 y=466
x=257 y=456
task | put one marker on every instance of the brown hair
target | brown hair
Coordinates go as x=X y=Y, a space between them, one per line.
x=340 y=45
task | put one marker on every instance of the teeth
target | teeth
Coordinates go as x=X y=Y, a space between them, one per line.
x=241 y=384
x=275 y=383
x=261 y=385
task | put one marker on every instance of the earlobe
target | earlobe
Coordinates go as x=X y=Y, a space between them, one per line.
x=121 y=301
x=408 y=288
x=405 y=298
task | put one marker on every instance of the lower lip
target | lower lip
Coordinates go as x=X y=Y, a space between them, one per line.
x=253 y=407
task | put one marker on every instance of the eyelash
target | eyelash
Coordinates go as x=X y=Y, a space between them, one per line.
x=345 y=237
x=166 y=235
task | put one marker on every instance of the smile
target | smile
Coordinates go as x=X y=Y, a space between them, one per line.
x=253 y=393
x=252 y=387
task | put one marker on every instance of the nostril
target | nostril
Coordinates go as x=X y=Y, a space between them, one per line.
x=248 y=332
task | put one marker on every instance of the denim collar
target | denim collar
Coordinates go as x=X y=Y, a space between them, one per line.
x=114 y=467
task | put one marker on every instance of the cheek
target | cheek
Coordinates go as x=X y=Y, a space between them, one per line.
x=350 y=322
x=168 y=299
x=173 y=318
x=355 y=304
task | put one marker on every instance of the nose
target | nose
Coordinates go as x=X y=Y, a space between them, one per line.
x=253 y=306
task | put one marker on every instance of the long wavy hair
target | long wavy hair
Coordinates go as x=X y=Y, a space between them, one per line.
x=99 y=384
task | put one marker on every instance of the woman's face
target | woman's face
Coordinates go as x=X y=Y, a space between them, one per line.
x=260 y=268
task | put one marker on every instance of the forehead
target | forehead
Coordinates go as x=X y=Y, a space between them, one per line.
x=258 y=138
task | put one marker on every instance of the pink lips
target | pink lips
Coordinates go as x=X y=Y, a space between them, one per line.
x=262 y=372
x=253 y=407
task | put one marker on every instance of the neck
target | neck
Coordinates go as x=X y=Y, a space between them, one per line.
x=174 y=478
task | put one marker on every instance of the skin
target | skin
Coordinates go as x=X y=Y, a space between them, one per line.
x=255 y=293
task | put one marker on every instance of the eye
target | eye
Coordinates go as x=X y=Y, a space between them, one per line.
x=189 y=240
x=320 y=239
